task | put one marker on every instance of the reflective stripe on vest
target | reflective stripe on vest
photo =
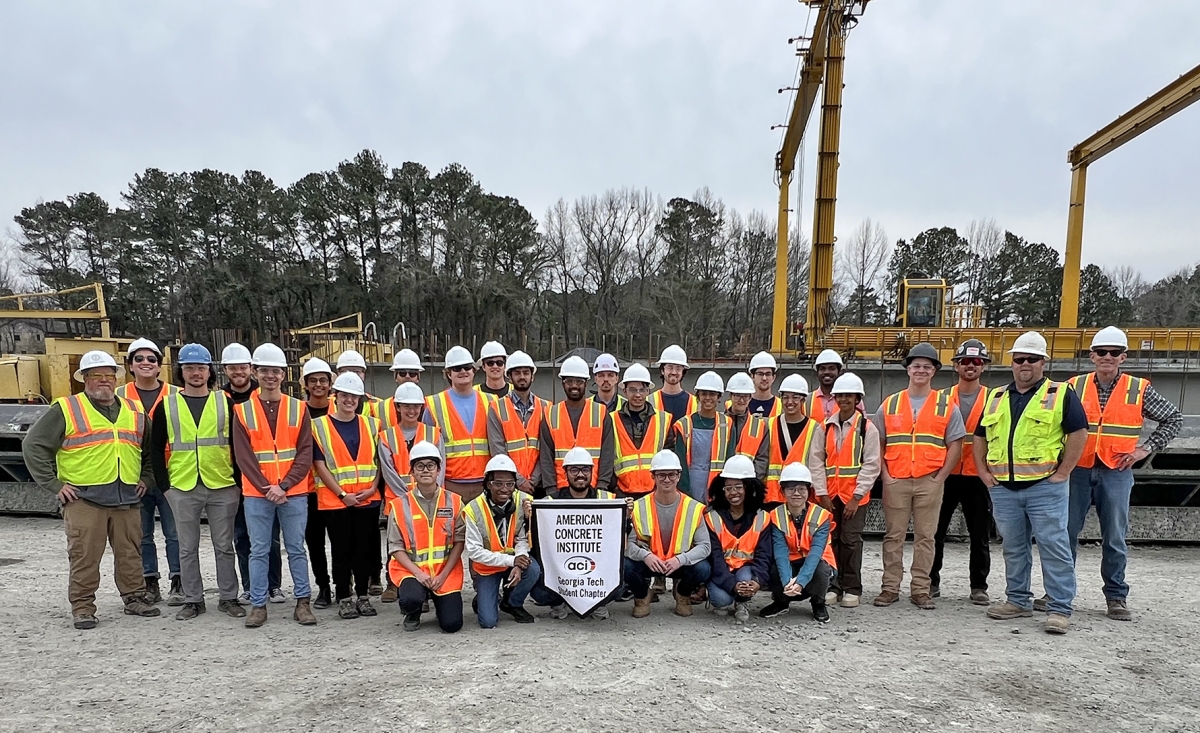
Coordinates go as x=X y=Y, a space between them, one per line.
x=738 y=550
x=800 y=543
x=428 y=541
x=689 y=515
x=1037 y=443
x=520 y=438
x=754 y=431
x=797 y=454
x=480 y=514
x=394 y=440
x=466 y=450
x=632 y=466
x=96 y=451
x=720 y=442
x=1115 y=430
x=915 y=448
x=843 y=464
x=276 y=452
x=198 y=452
x=655 y=400
x=352 y=473
x=966 y=464
x=588 y=435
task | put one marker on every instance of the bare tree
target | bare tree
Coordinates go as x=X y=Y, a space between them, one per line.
x=1128 y=282
x=863 y=260
x=984 y=239
x=563 y=274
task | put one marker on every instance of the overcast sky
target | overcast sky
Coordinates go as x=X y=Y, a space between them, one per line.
x=954 y=109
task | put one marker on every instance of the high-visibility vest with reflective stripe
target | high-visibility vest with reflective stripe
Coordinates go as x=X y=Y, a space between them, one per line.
x=754 y=432
x=842 y=465
x=620 y=402
x=353 y=473
x=588 y=435
x=720 y=443
x=387 y=413
x=274 y=453
x=1038 y=441
x=915 y=448
x=966 y=464
x=427 y=540
x=521 y=439
x=1115 y=430
x=198 y=453
x=816 y=407
x=368 y=406
x=129 y=392
x=632 y=466
x=480 y=514
x=798 y=454
x=738 y=550
x=655 y=400
x=96 y=451
x=689 y=516
x=466 y=448
x=800 y=542
x=394 y=440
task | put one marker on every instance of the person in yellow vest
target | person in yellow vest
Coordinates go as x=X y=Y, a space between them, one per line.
x=794 y=438
x=606 y=371
x=192 y=456
x=751 y=432
x=763 y=403
x=921 y=435
x=1116 y=405
x=146 y=392
x=963 y=486
x=317 y=378
x=639 y=432
x=803 y=556
x=1029 y=439
x=497 y=545
x=87 y=450
x=703 y=439
x=575 y=421
x=346 y=464
x=741 y=539
x=460 y=411
x=426 y=538
x=515 y=423
x=668 y=538
x=673 y=398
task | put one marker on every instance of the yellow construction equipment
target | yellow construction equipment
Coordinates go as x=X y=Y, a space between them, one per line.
x=329 y=339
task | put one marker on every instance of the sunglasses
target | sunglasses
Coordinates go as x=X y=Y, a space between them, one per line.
x=494 y=363
x=971 y=362
x=1108 y=352
x=462 y=368
x=409 y=375
x=1027 y=359
x=143 y=357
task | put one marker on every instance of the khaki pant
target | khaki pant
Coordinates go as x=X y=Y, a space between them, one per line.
x=920 y=499
x=89 y=527
x=468 y=491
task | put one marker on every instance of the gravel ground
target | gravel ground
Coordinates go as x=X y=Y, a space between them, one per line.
x=891 y=669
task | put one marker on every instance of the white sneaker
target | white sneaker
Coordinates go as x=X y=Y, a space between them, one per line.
x=849 y=600
x=720 y=610
x=831 y=598
x=558 y=611
x=277 y=596
x=600 y=614
x=244 y=598
x=741 y=612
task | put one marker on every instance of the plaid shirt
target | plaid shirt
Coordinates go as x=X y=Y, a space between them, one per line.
x=1154 y=407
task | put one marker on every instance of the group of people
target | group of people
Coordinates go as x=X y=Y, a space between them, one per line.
x=733 y=490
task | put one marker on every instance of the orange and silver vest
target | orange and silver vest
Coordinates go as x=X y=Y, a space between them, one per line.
x=800 y=542
x=129 y=392
x=842 y=465
x=816 y=407
x=589 y=435
x=1115 y=430
x=394 y=440
x=754 y=432
x=689 y=516
x=521 y=439
x=274 y=453
x=632 y=466
x=738 y=550
x=96 y=451
x=480 y=514
x=797 y=454
x=655 y=400
x=720 y=443
x=916 y=448
x=353 y=473
x=466 y=449
x=966 y=465
x=427 y=540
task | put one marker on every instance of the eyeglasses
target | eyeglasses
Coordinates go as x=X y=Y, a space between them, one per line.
x=318 y=381
x=578 y=470
x=462 y=368
x=763 y=373
x=734 y=488
x=794 y=489
x=408 y=375
x=630 y=389
x=494 y=363
x=425 y=466
x=1027 y=359
x=667 y=475
x=971 y=361
x=145 y=357
x=1106 y=352
x=504 y=484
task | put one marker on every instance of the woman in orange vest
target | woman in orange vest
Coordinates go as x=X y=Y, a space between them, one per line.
x=741 y=538
x=803 y=555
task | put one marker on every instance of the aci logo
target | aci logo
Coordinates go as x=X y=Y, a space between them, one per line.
x=579 y=565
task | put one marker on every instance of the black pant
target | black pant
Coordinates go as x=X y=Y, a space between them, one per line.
x=354 y=541
x=970 y=492
x=846 y=539
x=816 y=589
x=449 y=608
x=687 y=578
x=314 y=537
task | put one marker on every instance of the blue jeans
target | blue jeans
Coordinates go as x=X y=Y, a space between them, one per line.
x=688 y=577
x=154 y=499
x=487 y=592
x=1108 y=490
x=719 y=597
x=1041 y=512
x=292 y=516
x=241 y=545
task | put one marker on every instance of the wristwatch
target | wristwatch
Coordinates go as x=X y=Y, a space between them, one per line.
x=342 y=495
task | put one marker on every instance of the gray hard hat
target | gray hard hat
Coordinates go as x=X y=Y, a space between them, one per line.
x=923 y=350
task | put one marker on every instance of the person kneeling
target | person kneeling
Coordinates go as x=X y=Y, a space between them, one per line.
x=498 y=546
x=741 y=538
x=803 y=554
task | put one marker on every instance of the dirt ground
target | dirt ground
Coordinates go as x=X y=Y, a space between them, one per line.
x=891 y=669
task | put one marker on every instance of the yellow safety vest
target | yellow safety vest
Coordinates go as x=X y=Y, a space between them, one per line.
x=689 y=515
x=198 y=453
x=96 y=451
x=1037 y=443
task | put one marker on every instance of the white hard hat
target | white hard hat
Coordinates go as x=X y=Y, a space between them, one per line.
x=636 y=373
x=848 y=383
x=665 y=460
x=673 y=354
x=491 y=350
x=458 y=356
x=574 y=367
x=139 y=344
x=407 y=360
x=519 y=359
x=794 y=383
x=269 y=355
x=409 y=393
x=1030 y=342
x=93 y=359
x=577 y=457
x=1110 y=336
x=424 y=449
x=710 y=382
x=500 y=462
x=351 y=358
x=235 y=353
x=795 y=472
x=738 y=466
x=315 y=366
x=763 y=360
x=740 y=383
x=350 y=383
x=829 y=356
x=606 y=363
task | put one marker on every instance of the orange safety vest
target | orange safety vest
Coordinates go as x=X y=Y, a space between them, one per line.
x=479 y=512
x=521 y=439
x=720 y=443
x=394 y=440
x=816 y=407
x=754 y=432
x=1115 y=430
x=466 y=450
x=966 y=465
x=799 y=543
x=427 y=540
x=129 y=392
x=589 y=435
x=655 y=400
x=915 y=448
x=632 y=466
x=689 y=516
x=842 y=465
x=738 y=550
x=274 y=453
x=797 y=454
x=353 y=473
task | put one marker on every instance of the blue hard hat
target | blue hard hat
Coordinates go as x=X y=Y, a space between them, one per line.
x=194 y=354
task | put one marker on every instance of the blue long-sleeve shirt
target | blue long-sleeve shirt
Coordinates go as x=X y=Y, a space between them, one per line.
x=760 y=565
x=783 y=563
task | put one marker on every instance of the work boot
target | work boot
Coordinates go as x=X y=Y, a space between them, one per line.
x=324 y=598
x=375 y=588
x=137 y=605
x=886 y=598
x=412 y=621
x=1056 y=623
x=1041 y=604
x=741 y=612
x=520 y=615
x=1117 y=610
x=657 y=588
x=364 y=607
x=683 y=604
x=153 y=593
x=700 y=595
x=85 y=622
x=849 y=600
x=303 y=614
x=775 y=608
x=923 y=601
x=641 y=606
x=935 y=591
x=257 y=617
x=346 y=608
x=820 y=612
x=559 y=611
x=175 y=595
x=390 y=593
x=979 y=597
x=190 y=611
x=1007 y=610
x=232 y=607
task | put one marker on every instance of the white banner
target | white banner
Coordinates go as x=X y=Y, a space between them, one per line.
x=582 y=547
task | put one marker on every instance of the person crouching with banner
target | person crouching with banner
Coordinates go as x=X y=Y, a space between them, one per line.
x=741 y=539
x=497 y=538
x=426 y=535
x=803 y=554
x=669 y=538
